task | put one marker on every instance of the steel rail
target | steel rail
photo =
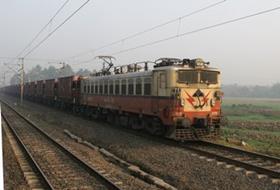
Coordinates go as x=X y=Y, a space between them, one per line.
x=242 y=164
x=29 y=156
x=190 y=145
x=238 y=150
x=107 y=182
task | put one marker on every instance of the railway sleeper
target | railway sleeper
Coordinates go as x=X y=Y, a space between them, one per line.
x=30 y=175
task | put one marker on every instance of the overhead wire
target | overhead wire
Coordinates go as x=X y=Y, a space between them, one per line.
x=53 y=31
x=150 y=29
x=199 y=30
x=40 y=31
x=45 y=26
x=191 y=32
x=31 y=59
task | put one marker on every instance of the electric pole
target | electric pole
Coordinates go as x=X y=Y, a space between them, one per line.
x=21 y=79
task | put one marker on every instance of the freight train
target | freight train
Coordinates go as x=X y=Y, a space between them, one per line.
x=178 y=98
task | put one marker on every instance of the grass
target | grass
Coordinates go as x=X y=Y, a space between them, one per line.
x=252 y=110
x=254 y=121
x=259 y=141
x=253 y=117
x=257 y=102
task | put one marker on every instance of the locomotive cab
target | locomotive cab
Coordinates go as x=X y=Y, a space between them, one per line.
x=195 y=90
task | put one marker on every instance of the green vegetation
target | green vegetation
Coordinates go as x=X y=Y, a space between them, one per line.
x=254 y=121
x=252 y=109
x=261 y=141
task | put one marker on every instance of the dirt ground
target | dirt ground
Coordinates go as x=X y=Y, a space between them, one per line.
x=178 y=167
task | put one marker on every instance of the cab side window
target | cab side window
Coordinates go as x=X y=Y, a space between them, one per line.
x=117 y=87
x=130 y=87
x=123 y=87
x=138 y=86
x=147 y=86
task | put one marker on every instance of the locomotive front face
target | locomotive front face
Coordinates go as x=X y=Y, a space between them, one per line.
x=198 y=91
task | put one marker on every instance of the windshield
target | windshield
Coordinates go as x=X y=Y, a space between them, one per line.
x=188 y=76
x=208 y=77
x=193 y=77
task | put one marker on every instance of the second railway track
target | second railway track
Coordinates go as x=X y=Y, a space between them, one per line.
x=60 y=168
x=263 y=165
x=259 y=163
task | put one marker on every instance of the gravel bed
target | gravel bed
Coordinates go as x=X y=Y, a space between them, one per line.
x=13 y=176
x=176 y=166
x=94 y=158
x=61 y=171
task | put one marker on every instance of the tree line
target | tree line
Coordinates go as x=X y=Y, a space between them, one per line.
x=256 y=91
x=39 y=73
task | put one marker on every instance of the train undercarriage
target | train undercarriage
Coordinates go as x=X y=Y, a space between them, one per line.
x=150 y=124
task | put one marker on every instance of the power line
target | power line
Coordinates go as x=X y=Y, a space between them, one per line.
x=52 y=32
x=198 y=30
x=32 y=59
x=152 y=28
x=38 y=34
x=9 y=67
x=190 y=32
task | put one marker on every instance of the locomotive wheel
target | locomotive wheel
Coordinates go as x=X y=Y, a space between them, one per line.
x=117 y=121
x=135 y=123
x=111 y=118
x=155 y=127
x=95 y=114
x=124 y=121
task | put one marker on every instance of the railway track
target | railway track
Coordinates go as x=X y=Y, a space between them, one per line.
x=263 y=165
x=259 y=163
x=29 y=167
x=55 y=165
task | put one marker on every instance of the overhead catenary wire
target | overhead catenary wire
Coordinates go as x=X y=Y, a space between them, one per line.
x=44 y=27
x=189 y=32
x=59 y=26
x=31 y=59
x=198 y=30
x=40 y=31
x=150 y=29
x=10 y=68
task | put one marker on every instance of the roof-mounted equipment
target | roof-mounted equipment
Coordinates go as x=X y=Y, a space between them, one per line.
x=106 y=65
x=162 y=62
x=134 y=67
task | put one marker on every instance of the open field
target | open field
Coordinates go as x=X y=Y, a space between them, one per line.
x=252 y=109
x=254 y=121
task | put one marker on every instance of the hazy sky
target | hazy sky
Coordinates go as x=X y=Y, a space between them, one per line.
x=247 y=52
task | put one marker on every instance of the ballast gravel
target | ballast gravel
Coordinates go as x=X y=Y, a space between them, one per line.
x=178 y=167
x=13 y=176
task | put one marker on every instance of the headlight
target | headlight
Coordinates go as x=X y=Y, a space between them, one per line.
x=212 y=102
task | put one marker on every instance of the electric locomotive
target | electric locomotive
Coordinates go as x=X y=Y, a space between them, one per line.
x=178 y=98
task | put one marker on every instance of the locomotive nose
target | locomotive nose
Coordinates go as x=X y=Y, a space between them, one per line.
x=198 y=93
